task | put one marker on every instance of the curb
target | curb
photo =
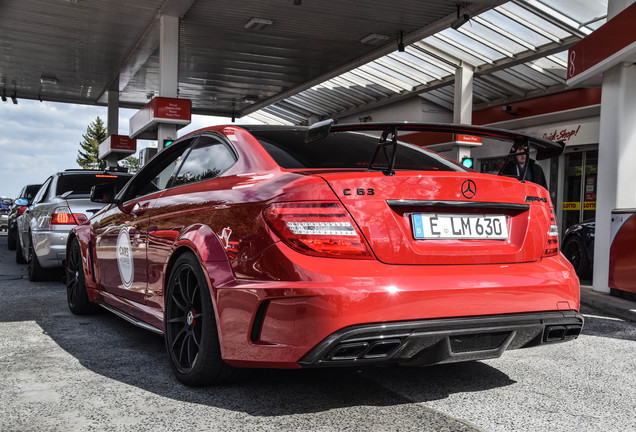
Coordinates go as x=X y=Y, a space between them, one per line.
x=614 y=306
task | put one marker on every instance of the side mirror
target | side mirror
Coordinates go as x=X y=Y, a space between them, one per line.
x=103 y=193
x=22 y=202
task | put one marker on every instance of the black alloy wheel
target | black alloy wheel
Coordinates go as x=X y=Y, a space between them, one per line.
x=574 y=251
x=190 y=327
x=35 y=270
x=76 y=293
x=11 y=236
x=19 y=256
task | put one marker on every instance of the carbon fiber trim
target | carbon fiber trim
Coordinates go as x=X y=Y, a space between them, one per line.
x=427 y=342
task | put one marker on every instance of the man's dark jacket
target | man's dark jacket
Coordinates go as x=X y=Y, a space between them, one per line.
x=535 y=172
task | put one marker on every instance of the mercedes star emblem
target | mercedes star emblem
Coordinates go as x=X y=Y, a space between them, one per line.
x=469 y=189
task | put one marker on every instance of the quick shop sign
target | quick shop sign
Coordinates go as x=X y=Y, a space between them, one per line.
x=583 y=132
x=562 y=135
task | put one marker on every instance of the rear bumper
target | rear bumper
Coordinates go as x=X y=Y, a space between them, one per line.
x=427 y=342
x=286 y=323
x=50 y=247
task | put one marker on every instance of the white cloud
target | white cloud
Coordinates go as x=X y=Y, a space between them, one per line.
x=38 y=139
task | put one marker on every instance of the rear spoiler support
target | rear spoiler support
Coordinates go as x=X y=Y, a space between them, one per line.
x=383 y=144
x=546 y=149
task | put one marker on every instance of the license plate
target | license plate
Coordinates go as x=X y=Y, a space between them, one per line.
x=450 y=226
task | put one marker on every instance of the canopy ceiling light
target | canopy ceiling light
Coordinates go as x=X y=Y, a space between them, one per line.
x=375 y=39
x=48 y=79
x=258 y=24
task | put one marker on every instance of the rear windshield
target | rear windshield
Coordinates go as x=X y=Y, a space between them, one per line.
x=345 y=150
x=81 y=184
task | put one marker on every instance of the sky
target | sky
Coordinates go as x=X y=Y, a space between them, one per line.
x=38 y=139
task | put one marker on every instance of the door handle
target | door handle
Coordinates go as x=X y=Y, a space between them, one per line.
x=139 y=209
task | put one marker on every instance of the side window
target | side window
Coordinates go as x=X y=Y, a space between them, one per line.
x=43 y=191
x=208 y=159
x=159 y=172
x=164 y=176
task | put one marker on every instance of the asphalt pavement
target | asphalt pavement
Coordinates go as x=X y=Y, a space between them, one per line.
x=61 y=372
x=610 y=304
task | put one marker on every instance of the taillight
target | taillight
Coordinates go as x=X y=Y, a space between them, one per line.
x=552 y=245
x=21 y=209
x=63 y=216
x=317 y=228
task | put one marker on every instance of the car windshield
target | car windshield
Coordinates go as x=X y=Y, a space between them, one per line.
x=345 y=150
x=81 y=184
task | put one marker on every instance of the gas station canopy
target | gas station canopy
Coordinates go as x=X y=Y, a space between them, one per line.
x=290 y=60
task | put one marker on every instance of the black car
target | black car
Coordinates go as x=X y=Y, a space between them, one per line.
x=578 y=247
x=27 y=192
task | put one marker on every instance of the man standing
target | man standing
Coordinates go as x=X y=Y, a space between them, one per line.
x=534 y=172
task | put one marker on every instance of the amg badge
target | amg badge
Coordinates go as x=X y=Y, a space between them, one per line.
x=534 y=198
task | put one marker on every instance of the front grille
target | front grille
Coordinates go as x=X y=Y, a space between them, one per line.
x=477 y=342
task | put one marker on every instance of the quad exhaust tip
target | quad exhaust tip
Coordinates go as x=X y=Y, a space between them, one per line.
x=364 y=350
x=561 y=333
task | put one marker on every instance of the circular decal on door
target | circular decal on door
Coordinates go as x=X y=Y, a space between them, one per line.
x=124 y=258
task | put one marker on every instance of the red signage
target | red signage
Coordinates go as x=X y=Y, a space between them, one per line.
x=175 y=109
x=120 y=145
x=467 y=139
x=164 y=110
x=122 y=142
x=610 y=44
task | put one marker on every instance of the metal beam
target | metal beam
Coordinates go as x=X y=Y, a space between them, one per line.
x=387 y=49
x=145 y=46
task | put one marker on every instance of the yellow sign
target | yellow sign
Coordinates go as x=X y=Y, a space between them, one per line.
x=587 y=205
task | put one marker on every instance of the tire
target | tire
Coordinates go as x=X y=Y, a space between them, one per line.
x=11 y=239
x=574 y=251
x=191 y=335
x=36 y=272
x=19 y=257
x=76 y=293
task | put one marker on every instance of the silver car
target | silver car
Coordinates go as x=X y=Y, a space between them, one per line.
x=5 y=205
x=62 y=202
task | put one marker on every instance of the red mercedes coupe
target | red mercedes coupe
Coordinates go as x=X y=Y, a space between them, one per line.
x=334 y=245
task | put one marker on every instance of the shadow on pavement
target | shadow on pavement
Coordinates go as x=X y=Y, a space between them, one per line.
x=113 y=348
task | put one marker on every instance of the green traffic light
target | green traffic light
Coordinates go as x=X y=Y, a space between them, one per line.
x=467 y=162
x=167 y=142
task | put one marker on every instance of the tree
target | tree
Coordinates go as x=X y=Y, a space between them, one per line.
x=87 y=155
x=89 y=149
x=132 y=163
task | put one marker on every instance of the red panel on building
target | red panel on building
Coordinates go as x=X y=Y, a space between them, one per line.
x=610 y=44
x=568 y=100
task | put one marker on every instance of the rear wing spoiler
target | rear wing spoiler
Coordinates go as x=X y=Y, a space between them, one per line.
x=546 y=149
